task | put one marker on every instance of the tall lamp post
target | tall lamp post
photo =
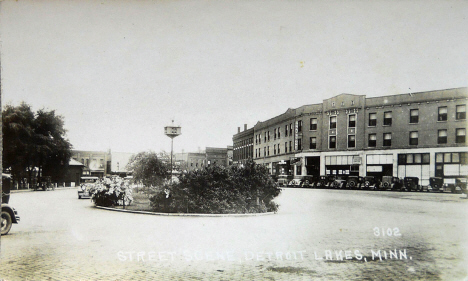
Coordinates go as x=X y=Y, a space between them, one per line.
x=172 y=132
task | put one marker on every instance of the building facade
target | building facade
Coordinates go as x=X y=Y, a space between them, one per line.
x=96 y=163
x=417 y=134
x=242 y=148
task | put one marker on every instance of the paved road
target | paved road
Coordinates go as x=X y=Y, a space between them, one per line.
x=317 y=235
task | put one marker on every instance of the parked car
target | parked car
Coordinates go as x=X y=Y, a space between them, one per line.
x=354 y=182
x=307 y=181
x=322 y=182
x=9 y=215
x=294 y=183
x=282 y=182
x=397 y=184
x=436 y=184
x=371 y=183
x=386 y=183
x=339 y=182
x=86 y=184
x=412 y=184
x=44 y=183
x=456 y=185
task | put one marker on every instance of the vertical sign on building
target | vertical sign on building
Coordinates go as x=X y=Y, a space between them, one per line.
x=296 y=134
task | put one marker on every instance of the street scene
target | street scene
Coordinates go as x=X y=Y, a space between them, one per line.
x=393 y=236
x=234 y=140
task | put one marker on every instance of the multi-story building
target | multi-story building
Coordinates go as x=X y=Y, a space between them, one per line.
x=242 y=148
x=189 y=161
x=416 y=134
x=96 y=163
x=217 y=156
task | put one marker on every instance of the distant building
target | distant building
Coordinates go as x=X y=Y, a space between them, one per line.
x=243 y=145
x=189 y=161
x=415 y=134
x=74 y=173
x=96 y=163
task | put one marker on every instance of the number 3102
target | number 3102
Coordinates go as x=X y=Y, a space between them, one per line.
x=386 y=232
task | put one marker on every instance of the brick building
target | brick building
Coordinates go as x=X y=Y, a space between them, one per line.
x=416 y=134
x=242 y=148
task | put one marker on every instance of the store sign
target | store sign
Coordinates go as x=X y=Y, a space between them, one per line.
x=357 y=160
x=296 y=135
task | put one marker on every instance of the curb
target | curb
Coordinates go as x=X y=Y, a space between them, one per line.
x=185 y=214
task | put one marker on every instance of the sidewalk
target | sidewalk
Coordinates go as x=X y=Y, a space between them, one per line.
x=27 y=190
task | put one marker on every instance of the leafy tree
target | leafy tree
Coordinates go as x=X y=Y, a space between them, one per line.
x=34 y=140
x=149 y=168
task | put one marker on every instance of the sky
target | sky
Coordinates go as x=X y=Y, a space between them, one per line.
x=120 y=71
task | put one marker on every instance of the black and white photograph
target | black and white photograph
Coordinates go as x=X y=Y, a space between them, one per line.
x=234 y=140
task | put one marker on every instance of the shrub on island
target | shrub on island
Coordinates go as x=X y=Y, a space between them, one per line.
x=218 y=190
x=108 y=192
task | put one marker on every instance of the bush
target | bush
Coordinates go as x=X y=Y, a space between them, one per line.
x=111 y=192
x=215 y=189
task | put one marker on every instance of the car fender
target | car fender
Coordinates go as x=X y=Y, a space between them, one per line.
x=14 y=216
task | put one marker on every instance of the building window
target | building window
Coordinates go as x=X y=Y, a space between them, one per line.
x=313 y=143
x=442 y=113
x=286 y=130
x=313 y=124
x=333 y=122
x=274 y=149
x=460 y=135
x=372 y=140
x=268 y=135
x=274 y=135
x=279 y=133
x=387 y=120
x=413 y=139
x=279 y=149
x=332 y=143
x=299 y=126
x=255 y=153
x=413 y=159
x=414 y=116
x=461 y=112
x=352 y=121
x=290 y=129
x=299 y=144
x=351 y=141
x=387 y=139
x=442 y=137
x=264 y=151
x=265 y=137
x=372 y=119
x=286 y=147
x=290 y=146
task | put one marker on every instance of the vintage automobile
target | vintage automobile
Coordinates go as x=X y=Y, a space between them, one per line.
x=294 y=183
x=86 y=184
x=44 y=183
x=455 y=185
x=436 y=184
x=9 y=215
x=307 y=181
x=412 y=184
x=339 y=182
x=354 y=182
x=371 y=183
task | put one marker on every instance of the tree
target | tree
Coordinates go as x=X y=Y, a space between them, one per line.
x=149 y=168
x=34 y=141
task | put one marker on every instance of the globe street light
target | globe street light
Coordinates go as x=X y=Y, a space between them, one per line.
x=172 y=132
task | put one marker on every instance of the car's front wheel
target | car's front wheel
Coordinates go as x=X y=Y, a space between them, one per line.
x=6 y=222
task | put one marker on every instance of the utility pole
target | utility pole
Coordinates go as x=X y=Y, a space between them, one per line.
x=172 y=131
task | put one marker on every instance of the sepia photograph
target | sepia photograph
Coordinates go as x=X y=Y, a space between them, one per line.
x=234 y=140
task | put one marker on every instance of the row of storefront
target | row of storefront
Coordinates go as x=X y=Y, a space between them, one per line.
x=421 y=163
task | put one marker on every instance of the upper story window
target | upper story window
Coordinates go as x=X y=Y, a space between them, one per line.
x=460 y=135
x=461 y=112
x=313 y=124
x=352 y=121
x=387 y=139
x=286 y=130
x=333 y=122
x=442 y=114
x=414 y=116
x=265 y=136
x=268 y=135
x=372 y=119
x=442 y=136
x=413 y=139
x=274 y=134
x=279 y=132
x=299 y=144
x=299 y=126
x=313 y=143
x=351 y=141
x=332 y=142
x=372 y=142
x=274 y=149
x=286 y=147
x=290 y=146
x=279 y=150
x=290 y=129
x=387 y=120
